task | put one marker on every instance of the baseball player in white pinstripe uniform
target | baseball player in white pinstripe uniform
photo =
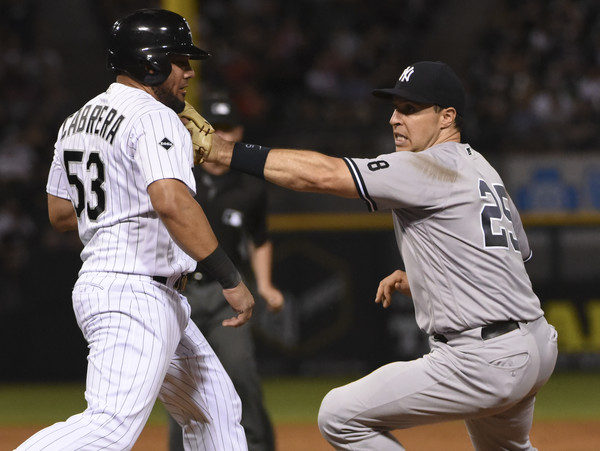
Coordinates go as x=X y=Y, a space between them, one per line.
x=463 y=246
x=122 y=177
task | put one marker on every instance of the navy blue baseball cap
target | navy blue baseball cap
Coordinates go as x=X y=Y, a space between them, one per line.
x=430 y=82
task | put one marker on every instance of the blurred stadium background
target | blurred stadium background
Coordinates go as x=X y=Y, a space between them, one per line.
x=301 y=74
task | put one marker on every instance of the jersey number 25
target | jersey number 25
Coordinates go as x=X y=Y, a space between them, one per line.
x=496 y=211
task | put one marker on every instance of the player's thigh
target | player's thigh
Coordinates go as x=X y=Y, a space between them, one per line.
x=506 y=430
x=446 y=384
x=132 y=328
x=400 y=395
x=196 y=381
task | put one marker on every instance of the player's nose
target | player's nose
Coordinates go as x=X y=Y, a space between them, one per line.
x=396 y=118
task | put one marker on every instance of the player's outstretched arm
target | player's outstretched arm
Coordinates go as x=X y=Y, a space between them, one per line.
x=396 y=281
x=298 y=170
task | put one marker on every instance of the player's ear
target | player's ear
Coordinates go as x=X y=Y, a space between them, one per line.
x=448 y=116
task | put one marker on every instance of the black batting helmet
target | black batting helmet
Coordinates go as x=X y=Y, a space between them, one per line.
x=140 y=44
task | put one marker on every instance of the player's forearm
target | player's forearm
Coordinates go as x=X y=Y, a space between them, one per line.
x=304 y=170
x=298 y=170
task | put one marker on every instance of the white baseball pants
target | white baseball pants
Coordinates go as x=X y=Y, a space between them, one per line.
x=143 y=346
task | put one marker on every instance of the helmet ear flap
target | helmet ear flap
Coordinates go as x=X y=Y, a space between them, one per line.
x=154 y=70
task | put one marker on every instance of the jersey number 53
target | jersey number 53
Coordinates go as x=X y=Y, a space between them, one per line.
x=95 y=167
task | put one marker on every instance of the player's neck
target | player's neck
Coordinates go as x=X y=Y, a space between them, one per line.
x=131 y=82
x=448 y=135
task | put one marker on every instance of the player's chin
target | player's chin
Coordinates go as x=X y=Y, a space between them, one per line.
x=178 y=106
x=404 y=146
x=176 y=102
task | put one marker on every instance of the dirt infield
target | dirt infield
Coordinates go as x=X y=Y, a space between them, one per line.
x=546 y=435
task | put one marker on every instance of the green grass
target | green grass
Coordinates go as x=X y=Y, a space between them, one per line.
x=297 y=400
x=574 y=396
x=39 y=404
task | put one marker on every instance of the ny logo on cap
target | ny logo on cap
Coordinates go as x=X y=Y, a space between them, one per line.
x=407 y=73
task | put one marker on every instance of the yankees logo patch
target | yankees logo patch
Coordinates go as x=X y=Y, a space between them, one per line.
x=166 y=144
x=407 y=73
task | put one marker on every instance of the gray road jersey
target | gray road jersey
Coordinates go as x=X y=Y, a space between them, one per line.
x=459 y=234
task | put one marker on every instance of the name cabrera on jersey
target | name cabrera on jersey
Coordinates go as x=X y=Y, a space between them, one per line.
x=458 y=232
x=105 y=157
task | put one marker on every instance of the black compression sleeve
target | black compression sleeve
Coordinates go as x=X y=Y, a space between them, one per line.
x=221 y=268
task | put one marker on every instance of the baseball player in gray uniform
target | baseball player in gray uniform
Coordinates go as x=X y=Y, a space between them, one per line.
x=121 y=175
x=464 y=248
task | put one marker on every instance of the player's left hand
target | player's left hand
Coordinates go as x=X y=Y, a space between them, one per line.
x=242 y=302
x=201 y=131
x=396 y=281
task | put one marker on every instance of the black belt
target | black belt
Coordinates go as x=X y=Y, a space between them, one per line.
x=178 y=285
x=487 y=332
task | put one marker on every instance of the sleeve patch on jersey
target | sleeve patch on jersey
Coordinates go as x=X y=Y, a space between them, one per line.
x=166 y=144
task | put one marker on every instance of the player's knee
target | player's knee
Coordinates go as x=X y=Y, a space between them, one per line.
x=114 y=431
x=329 y=420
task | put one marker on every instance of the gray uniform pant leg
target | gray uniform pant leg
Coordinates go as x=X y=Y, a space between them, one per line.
x=490 y=383
x=499 y=431
x=235 y=349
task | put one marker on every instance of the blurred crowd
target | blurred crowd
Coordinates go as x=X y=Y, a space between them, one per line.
x=301 y=73
x=310 y=65
x=534 y=76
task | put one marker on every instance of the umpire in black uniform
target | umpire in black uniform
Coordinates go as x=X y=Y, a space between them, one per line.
x=236 y=206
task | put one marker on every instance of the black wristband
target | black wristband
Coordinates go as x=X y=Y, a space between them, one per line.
x=249 y=158
x=221 y=268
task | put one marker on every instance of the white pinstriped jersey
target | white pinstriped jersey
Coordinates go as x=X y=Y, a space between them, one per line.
x=459 y=234
x=106 y=156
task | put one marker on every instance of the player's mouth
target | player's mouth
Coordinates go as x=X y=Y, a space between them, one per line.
x=400 y=139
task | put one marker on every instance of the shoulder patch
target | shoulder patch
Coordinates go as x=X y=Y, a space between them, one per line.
x=166 y=144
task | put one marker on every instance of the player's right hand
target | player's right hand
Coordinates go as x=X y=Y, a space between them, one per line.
x=396 y=281
x=242 y=302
